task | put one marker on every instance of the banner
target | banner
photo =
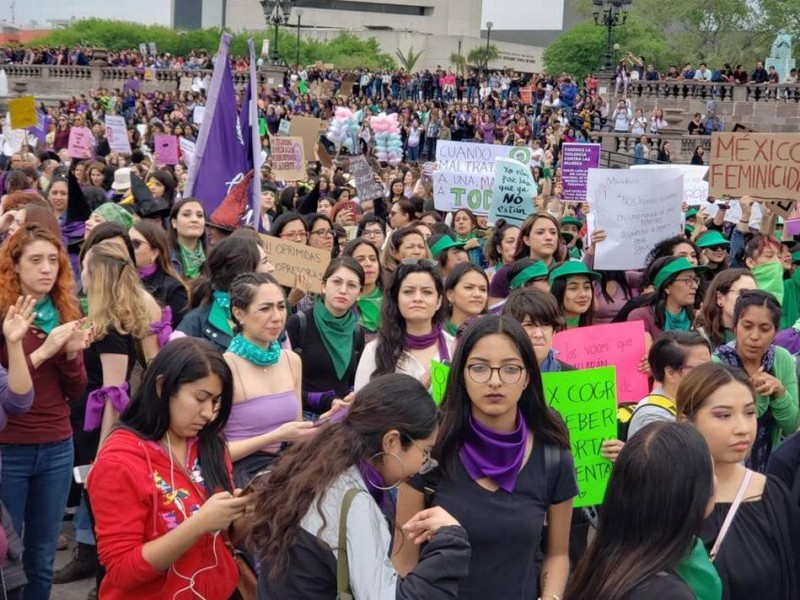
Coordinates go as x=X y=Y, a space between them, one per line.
x=637 y=209
x=307 y=128
x=81 y=142
x=586 y=401
x=166 y=149
x=513 y=192
x=367 y=187
x=619 y=345
x=576 y=161
x=695 y=186
x=288 y=159
x=291 y=258
x=117 y=134
x=23 y=112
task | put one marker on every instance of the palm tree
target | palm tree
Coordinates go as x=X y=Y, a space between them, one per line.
x=409 y=60
x=459 y=61
x=481 y=56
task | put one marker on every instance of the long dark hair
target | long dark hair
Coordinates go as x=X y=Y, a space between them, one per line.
x=393 y=324
x=243 y=289
x=621 y=279
x=180 y=362
x=664 y=249
x=654 y=507
x=455 y=276
x=711 y=316
x=541 y=420
x=308 y=469
x=228 y=259
x=493 y=242
x=559 y=287
x=158 y=239
x=524 y=251
x=354 y=245
x=173 y=214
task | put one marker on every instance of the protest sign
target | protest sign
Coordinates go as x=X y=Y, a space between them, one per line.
x=513 y=192
x=262 y=126
x=792 y=222
x=308 y=129
x=586 y=401
x=695 y=185
x=288 y=159
x=525 y=95
x=80 y=142
x=23 y=112
x=185 y=84
x=620 y=345
x=166 y=149
x=464 y=175
x=153 y=49
x=292 y=258
x=576 y=161
x=439 y=374
x=762 y=165
x=637 y=209
x=187 y=149
x=284 y=127
x=143 y=49
x=117 y=134
x=366 y=185
x=324 y=156
x=150 y=74
x=197 y=114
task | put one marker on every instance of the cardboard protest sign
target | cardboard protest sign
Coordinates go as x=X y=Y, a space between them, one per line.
x=291 y=258
x=81 y=142
x=187 y=150
x=23 y=112
x=308 y=129
x=166 y=149
x=284 y=127
x=695 y=184
x=576 y=161
x=525 y=95
x=324 y=156
x=637 y=209
x=586 y=401
x=439 y=374
x=117 y=134
x=185 y=84
x=366 y=185
x=513 y=192
x=621 y=345
x=762 y=165
x=288 y=159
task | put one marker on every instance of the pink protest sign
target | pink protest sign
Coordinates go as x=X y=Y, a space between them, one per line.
x=621 y=345
x=166 y=148
x=80 y=142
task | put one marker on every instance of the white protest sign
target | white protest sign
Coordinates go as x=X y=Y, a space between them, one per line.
x=197 y=114
x=117 y=134
x=695 y=190
x=187 y=149
x=636 y=209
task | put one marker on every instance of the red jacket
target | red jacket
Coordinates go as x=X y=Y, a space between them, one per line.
x=133 y=502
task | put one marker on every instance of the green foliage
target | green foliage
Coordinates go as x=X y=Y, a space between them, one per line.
x=408 y=60
x=459 y=61
x=480 y=56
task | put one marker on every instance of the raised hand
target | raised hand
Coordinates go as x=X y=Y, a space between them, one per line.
x=18 y=319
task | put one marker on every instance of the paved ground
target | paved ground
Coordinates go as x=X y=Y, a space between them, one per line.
x=69 y=591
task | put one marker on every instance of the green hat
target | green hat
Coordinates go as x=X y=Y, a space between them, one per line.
x=692 y=212
x=114 y=213
x=796 y=257
x=573 y=267
x=572 y=221
x=537 y=270
x=712 y=238
x=673 y=267
x=444 y=243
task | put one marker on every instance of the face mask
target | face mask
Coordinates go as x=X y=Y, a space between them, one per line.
x=769 y=277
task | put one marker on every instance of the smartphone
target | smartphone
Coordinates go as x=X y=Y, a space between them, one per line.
x=79 y=473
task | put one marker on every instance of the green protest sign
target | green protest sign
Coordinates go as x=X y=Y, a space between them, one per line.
x=439 y=374
x=262 y=126
x=587 y=402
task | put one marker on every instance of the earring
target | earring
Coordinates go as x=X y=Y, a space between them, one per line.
x=378 y=487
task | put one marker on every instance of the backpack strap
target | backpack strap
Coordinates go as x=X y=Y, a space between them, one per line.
x=302 y=325
x=342 y=565
x=795 y=491
x=662 y=402
x=551 y=461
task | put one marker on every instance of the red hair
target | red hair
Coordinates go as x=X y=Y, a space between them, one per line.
x=63 y=292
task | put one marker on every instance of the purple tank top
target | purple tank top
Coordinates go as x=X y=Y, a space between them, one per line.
x=260 y=415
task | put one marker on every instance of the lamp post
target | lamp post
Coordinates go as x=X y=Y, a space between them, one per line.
x=489 y=26
x=274 y=15
x=610 y=14
x=299 y=13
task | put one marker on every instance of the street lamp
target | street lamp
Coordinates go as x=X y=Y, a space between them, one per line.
x=489 y=26
x=610 y=14
x=274 y=15
x=299 y=13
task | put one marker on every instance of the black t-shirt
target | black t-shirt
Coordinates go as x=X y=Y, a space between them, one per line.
x=112 y=343
x=663 y=586
x=784 y=462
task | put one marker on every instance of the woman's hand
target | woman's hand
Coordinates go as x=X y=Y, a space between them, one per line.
x=18 y=319
x=80 y=338
x=610 y=449
x=766 y=384
x=471 y=244
x=423 y=526
x=644 y=365
x=300 y=289
x=219 y=511
x=338 y=405
x=598 y=235
x=57 y=338
x=294 y=431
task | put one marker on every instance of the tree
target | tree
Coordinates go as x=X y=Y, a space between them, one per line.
x=480 y=56
x=459 y=62
x=408 y=60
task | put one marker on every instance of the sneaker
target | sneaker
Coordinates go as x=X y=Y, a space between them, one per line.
x=63 y=543
x=82 y=565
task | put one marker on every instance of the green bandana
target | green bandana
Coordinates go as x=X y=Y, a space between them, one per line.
x=220 y=314
x=369 y=309
x=47 y=317
x=450 y=327
x=572 y=323
x=336 y=334
x=769 y=277
x=699 y=573
x=263 y=357
x=191 y=261
x=679 y=322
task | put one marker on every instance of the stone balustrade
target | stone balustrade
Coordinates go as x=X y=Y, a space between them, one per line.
x=719 y=92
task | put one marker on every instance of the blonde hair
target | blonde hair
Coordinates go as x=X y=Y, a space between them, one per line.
x=115 y=293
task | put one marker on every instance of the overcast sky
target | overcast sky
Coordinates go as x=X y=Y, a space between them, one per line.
x=144 y=11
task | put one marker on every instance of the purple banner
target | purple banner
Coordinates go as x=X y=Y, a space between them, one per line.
x=576 y=160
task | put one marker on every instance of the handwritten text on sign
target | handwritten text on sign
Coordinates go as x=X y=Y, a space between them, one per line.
x=288 y=158
x=513 y=192
x=290 y=259
x=620 y=345
x=586 y=401
x=439 y=375
x=117 y=134
x=576 y=161
x=764 y=165
x=366 y=185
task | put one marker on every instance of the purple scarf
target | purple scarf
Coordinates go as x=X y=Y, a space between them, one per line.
x=498 y=456
x=147 y=272
x=420 y=342
x=373 y=479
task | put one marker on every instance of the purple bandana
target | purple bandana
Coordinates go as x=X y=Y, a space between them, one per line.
x=420 y=342
x=147 y=272
x=497 y=456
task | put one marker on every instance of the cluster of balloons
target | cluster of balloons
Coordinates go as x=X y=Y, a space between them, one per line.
x=388 y=145
x=343 y=130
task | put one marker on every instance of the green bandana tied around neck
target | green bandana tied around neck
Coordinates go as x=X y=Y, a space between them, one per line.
x=699 y=573
x=263 y=357
x=679 y=322
x=450 y=327
x=336 y=334
x=47 y=317
x=220 y=314
x=571 y=323
x=191 y=261
x=769 y=277
x=369 y=309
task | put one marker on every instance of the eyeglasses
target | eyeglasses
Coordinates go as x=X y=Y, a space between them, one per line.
x=483 y=373
x=717 y=248
x=371 y=233
x=322 y=232
x=294 y=235
x=350 y=286
x=690 y=281
x=428 y=462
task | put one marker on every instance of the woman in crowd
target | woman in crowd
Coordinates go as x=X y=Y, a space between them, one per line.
x=321 y=234
x=401 y=214
x=715 y=321
x=57 y=196
x=396 y=191
x=166 y=468
x=762 y=255
x=37 y=455
x=770 y=368
x=500 y=247
x=571 y=285
x=291 y=226
x=748 y=534
x=347 y=470
x=267 y=407
x=467 y=292
x=373 y=229
x=538 y=313
x=368 y=305
x=714 y=252
x=447 y=252
x=187 y=235
x=329 y=338
x=661 y=490
x=411 y=333
x=109 y=212
x=403 y=244
x=162 y=185
x=465 y=226
x=505 y=465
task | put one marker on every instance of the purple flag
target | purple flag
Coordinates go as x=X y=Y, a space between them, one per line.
x=40 y=129
x=221 y=155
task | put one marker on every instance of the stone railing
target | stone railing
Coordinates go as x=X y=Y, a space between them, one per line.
x=682 y=145
x=722 y=92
